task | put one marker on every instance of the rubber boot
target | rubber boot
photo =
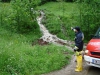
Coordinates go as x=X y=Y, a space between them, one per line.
x=79 y=63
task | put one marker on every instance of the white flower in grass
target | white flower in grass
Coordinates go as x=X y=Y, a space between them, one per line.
x=8 y=65
x=32 y=9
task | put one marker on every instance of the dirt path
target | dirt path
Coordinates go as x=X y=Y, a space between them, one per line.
x=69 y=69
x=47 y=37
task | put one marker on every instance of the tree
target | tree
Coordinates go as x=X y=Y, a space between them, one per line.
x=89 y=13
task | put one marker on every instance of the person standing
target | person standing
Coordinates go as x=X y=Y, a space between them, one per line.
x=79 y=37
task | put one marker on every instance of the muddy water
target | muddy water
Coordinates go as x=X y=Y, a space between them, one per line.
x=48 y=37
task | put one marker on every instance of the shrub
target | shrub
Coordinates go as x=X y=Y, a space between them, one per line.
x=89 y=17
x=21 y=19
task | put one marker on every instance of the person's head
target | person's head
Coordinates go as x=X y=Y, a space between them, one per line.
x=76 y=29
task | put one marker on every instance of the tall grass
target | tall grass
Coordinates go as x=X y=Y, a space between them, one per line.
x=18 y=57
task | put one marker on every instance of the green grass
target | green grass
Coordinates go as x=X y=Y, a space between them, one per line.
x=69 y=14
x=19 y=57
x=61 y=8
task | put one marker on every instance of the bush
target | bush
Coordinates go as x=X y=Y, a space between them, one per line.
x=89 y=17
x=21 y=19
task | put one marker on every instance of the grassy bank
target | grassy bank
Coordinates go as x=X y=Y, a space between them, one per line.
x=60 y=8
x=60 y=17
x=19 y=57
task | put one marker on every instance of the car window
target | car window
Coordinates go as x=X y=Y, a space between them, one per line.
x=97 y=35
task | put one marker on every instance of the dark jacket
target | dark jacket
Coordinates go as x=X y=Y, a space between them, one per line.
x=79 y=41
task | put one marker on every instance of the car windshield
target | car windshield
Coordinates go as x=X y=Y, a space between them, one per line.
x=97 y=35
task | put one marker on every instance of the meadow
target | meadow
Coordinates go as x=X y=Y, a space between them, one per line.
x=19 y=57
x=60 y=8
